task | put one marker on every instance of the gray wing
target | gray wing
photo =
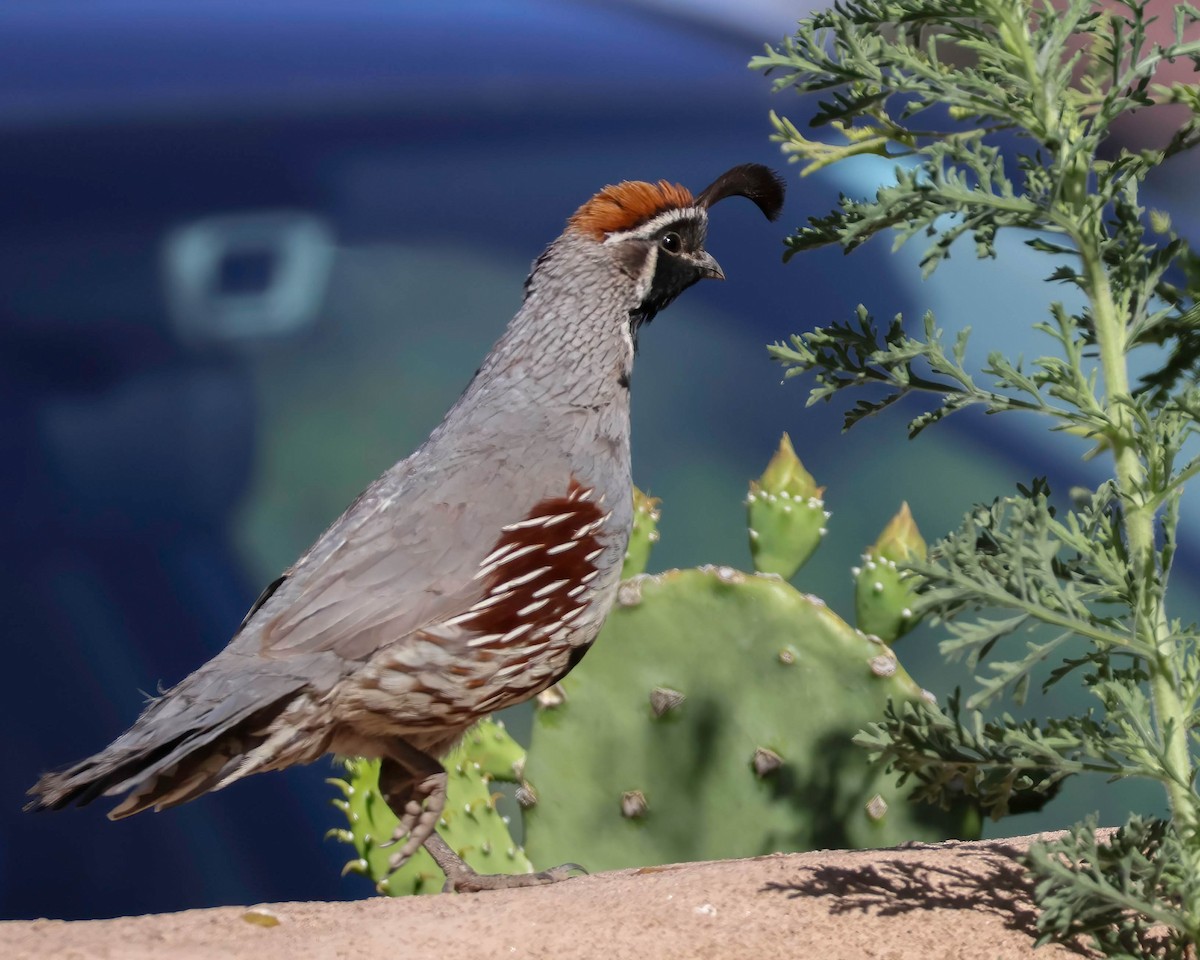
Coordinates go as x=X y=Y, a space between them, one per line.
x=402 y=557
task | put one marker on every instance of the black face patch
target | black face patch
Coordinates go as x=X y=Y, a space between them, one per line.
x=677 y=238
x=674 y=271
x=672 y=276
x=680 y=237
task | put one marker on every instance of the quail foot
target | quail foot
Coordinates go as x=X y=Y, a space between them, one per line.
x=471 y=575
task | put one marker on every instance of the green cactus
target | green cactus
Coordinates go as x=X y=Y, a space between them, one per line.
x=785 y=514
x=715 y=715
x=714 y=718
x=883 y=594
x=470 y=822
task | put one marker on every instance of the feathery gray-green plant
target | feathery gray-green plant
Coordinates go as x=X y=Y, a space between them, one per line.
x=1000 y=114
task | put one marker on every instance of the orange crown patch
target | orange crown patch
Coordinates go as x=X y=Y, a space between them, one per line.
x=625 y=205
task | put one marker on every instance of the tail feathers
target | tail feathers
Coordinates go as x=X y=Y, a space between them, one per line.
x=158 y=776
x=197 y=772
x=254 y=748
x=88 y=779
x=181 y=747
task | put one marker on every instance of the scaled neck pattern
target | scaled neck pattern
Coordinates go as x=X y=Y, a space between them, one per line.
x=569 y=349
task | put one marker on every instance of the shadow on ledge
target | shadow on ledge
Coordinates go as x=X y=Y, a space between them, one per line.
x=989 y=879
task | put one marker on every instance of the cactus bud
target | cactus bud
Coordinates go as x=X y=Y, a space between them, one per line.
x=643 y=536
x=785 y=514
x=883 y=595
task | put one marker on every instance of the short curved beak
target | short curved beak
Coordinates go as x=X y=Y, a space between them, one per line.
x=708 y=267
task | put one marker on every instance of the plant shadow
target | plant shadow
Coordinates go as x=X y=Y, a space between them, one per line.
x=990 y=878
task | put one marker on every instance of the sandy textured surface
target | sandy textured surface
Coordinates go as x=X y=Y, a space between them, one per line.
x=953 y=900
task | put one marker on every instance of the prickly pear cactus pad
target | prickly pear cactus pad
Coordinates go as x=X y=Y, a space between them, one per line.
x=470 y=822
x=714 y=719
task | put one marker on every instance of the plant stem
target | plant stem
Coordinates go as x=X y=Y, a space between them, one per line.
x=1170 y=713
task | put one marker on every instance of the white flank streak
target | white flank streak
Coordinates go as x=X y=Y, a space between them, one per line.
x=516 y=632
x=576 y=591
x=561 y=548
x=511 y=669
x=549 y=588
x=571 y=615
x=584 y=494
x=497 y=554
x=484 y=640
x=487 y=568
x=556 y=518
x=489 y=600
x=523 y=579
x=588 y=578
x=594 y=554
x=531 y=607
x=523 y=524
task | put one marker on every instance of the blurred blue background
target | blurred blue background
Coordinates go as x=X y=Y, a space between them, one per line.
x=251 y=252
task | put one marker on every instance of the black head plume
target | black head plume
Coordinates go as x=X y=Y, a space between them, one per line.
x=757 y=183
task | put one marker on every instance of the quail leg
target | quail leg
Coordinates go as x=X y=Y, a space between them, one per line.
x=413 y=785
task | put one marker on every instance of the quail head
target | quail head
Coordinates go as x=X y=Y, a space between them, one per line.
x=471 y=575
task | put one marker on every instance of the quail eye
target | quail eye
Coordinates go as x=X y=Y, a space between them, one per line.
x=671 y=242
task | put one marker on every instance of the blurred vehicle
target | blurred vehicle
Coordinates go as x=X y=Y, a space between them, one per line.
x=250 y=253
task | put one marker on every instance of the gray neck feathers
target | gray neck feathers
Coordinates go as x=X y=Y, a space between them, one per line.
x=565 y=351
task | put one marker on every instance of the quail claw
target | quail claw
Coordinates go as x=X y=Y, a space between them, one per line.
x=460 y=878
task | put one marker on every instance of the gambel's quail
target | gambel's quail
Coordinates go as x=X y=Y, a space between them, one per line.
x=471 y=575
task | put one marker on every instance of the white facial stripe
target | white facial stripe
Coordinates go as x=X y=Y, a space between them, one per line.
x=654 y=224
x=627 y=337
x=646 y=278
